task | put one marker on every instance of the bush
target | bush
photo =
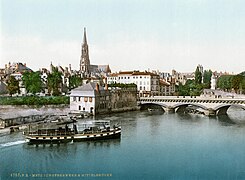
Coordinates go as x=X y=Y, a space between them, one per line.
x=34 y=100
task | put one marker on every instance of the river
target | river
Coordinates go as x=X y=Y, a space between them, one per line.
x=152 y=146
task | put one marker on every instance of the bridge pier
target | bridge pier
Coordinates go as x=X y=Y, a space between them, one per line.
x=170 y=110
x=210 y=112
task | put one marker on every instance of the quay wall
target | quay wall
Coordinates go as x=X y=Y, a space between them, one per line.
x=119 y=100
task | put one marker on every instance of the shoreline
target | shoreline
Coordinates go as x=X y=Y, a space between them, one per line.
x=24 y=115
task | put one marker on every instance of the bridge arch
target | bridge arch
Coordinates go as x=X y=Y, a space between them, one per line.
x=188 y=104
x=222 y=109
x=149 y=104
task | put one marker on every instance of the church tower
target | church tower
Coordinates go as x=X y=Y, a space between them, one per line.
x=84 y=61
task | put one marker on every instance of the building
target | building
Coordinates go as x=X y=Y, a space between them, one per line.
x=86 y=69
x=89 y=98
x=147 y=82
x=213 y=81
x=95 y=99
x=16 y=68
x=181 y=78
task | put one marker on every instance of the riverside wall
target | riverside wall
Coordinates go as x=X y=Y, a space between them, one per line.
x=117 y=100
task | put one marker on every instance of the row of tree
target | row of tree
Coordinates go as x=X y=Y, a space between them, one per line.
x=33 y=83
x=232 y=82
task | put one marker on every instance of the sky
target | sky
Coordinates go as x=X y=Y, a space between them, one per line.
x=126 y=34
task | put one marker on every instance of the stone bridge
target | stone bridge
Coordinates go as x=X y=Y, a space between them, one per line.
x=209 y=105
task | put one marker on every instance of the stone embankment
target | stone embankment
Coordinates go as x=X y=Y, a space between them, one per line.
x=18 y=115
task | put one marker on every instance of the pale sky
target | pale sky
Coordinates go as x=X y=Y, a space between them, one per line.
x=126 y=34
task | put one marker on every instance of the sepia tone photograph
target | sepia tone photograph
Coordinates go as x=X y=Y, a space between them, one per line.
x=122 y=89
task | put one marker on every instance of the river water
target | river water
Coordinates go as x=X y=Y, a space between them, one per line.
x=152 y=146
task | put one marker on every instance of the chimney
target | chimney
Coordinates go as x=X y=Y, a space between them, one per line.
x=97 y=87
x=70 y=68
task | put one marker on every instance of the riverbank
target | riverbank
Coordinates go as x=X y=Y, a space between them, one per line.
x=17 y=115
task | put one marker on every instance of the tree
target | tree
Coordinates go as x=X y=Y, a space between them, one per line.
x=55 y=82
x=13 y=85
x=224 y=82
x=198 y=76
x=207 y=78
x=75 y=81
x=32 y=82
x=236 y=82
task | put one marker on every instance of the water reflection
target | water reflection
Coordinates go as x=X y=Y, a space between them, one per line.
x=225 y=120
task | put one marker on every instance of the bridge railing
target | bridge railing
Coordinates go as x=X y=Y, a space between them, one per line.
x=192 y=97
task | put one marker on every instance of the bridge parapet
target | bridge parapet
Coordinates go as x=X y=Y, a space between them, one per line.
x=208 y=104
x=189 y=99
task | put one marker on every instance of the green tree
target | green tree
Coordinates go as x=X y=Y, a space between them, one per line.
x=236 y=82
x=55 y=82
x=207 y=78
x=198 y=76
x=13 y=85
x=224 y=82
x=32 y=82
x=75 y=81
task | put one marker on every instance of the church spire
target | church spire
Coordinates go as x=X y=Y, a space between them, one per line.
x=84 y=61
x=84 y=37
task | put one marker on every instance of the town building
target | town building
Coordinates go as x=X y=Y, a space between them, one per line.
x=147 y=82
x=181 y=78
x=95 y=99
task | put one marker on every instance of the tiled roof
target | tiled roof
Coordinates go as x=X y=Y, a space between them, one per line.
x=86 y=87
x=137 y=73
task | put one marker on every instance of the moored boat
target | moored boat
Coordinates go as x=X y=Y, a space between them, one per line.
x=97 y=130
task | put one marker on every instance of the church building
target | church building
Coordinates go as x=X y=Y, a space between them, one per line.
x=86 y=69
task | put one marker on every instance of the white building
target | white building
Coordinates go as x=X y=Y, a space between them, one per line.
x=89 y=98
x=147 y=82
x=213 y=81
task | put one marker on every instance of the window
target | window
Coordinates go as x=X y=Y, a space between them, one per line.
x=74 y=98
x=90 y=99
x=79 y=98
x=128 y=77
x=79 y=107
x=85 y=99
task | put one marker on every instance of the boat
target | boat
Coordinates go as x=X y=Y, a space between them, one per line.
x=97 y=130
